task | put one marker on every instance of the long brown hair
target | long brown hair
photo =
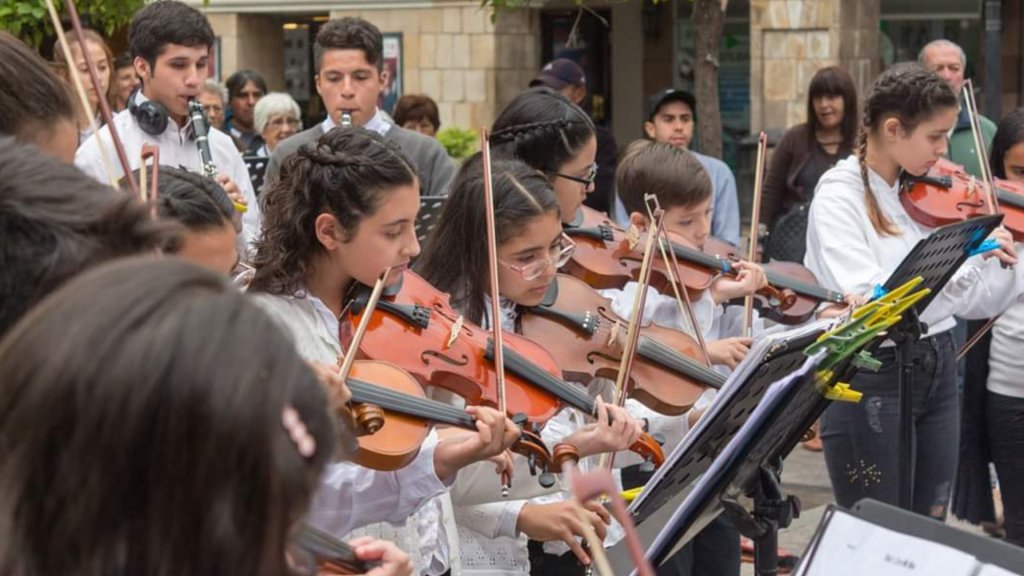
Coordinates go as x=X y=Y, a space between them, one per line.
x=459 y=267
x=141 y=429
x=910 y=93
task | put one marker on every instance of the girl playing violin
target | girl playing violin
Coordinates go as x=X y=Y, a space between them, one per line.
x=181 y=432
x=993 y=401
x=530 y=248
x=858 y=233
x=341 y=213
x=547 y=131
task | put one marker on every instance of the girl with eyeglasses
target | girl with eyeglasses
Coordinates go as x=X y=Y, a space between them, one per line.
x=531 y=246
x=548 y=132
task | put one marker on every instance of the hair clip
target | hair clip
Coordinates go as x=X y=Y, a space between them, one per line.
x=297 y=431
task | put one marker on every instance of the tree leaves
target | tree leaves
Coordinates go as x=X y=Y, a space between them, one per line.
x=28 y=20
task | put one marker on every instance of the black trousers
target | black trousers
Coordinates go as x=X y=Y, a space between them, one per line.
x=1005 y=419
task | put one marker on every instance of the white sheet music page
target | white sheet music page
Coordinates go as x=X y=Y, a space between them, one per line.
x=853 y=547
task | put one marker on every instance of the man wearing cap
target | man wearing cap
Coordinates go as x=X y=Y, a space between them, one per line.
x=670 y=119
x=565 y=76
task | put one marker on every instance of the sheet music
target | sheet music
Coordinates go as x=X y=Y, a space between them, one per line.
x=742 y=373
x=850 y=546
x=744 y=437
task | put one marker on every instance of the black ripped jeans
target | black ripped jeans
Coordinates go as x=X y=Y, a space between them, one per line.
x=862 y=439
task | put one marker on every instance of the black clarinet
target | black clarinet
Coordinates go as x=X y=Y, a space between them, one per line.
x=201 y=130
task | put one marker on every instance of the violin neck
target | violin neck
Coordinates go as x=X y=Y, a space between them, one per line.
x=328 y=549
x=522 y=367
x=655 y=351
x=424 y=408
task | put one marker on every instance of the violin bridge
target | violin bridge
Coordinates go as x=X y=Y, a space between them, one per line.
x=456 y=330
x=633 y=235
x=613 y=334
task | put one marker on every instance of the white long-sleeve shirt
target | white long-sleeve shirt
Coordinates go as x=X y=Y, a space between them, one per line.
x=847 y=254
x=177 y=149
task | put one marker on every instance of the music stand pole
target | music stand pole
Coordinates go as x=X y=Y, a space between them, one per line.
x=906 y=335
x=772 y=511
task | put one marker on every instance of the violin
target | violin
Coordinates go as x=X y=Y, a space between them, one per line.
x=391 y=417
x=606 y=257
x=948 y=194
x=577 y=325
x=415 y=327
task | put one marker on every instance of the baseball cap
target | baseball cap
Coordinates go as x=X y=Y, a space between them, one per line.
x=667 y=95
x=560 y=73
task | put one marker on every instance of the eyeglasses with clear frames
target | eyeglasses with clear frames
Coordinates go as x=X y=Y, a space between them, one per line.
x=587 y=180
x=557 y=257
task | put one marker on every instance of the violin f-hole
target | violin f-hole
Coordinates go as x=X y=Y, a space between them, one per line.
x=443 y=357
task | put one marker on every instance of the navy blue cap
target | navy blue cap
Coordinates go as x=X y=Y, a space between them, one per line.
x=560 y=73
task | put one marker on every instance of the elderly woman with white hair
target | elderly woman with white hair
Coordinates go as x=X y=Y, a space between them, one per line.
x=276 y=117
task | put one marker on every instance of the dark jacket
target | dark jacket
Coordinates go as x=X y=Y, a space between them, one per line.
x=780 y=194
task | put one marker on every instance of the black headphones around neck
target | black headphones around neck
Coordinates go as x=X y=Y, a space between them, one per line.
x=151 y=116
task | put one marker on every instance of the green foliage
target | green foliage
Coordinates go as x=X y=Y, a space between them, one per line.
x=459 y=142
x=29 y=20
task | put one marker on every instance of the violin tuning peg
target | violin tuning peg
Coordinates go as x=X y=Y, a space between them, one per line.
x=546 y=480
x=647 y=467
x=520 y=419
x=659 y=439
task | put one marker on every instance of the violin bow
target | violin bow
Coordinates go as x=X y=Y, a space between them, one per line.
x=993 y=197
x=755 y=225
x=108 y=117
x=599 y=484
x=682 y=297
x=636 y=317
x=349 y=356
x=492 y=265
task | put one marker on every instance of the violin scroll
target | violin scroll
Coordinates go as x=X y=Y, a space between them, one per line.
x=367 y=418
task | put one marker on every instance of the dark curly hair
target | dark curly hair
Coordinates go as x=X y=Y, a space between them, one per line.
x=347 y=173
x=910 y=93
x=542 y=128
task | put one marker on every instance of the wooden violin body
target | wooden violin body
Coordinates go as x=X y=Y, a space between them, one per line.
x=948 y=194
x=415 y=327
x=605 y=257
x=579 y=327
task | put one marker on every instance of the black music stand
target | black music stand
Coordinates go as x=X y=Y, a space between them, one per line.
x=430 y=212
x=772 y=359
x=935 y=259
x=257 y=166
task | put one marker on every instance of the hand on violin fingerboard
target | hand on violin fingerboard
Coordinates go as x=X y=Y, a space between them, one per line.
x=749 y=279
x=612 y=431
x=728 y=351
x=458 y=449
x=560 y=521
x=393 y=562
x=837 y=310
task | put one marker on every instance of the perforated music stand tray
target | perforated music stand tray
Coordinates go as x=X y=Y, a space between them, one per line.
x=430 y=211
x=772 y=358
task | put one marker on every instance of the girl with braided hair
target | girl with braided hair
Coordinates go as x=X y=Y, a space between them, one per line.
x=548 y=132
x=341 y=212
x=858 y=233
